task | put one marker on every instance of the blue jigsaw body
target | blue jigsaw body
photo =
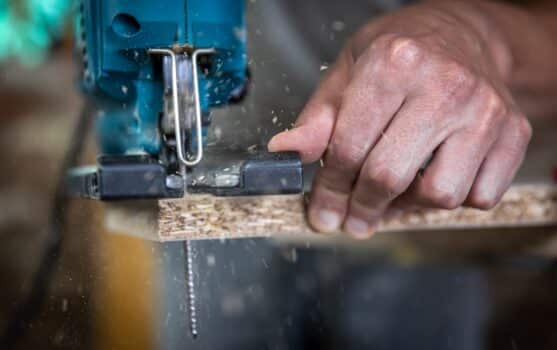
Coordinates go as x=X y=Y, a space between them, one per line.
x=140 y=59
x=125 y=81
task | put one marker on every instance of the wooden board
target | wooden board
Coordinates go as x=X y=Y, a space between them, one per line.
x=531 y=201
x=208 y=217
x=283 y=217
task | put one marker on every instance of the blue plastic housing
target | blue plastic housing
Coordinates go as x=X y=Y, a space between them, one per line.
x=127 y=88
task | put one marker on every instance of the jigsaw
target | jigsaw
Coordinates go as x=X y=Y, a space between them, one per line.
x=152 y=72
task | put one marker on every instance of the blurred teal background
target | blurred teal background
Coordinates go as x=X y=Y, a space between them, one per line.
x=29 y=27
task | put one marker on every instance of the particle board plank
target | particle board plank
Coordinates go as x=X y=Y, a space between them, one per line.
x=531 y=201
x=209 y=217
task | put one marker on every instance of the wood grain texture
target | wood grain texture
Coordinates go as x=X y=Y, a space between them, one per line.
x=208 y=217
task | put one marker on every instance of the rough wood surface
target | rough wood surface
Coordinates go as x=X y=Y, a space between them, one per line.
x=532 y=200
x=208 y=217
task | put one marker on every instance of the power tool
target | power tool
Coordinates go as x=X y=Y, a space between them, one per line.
x=152 y=71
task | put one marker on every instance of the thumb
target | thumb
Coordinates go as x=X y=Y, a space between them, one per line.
x=314 y=127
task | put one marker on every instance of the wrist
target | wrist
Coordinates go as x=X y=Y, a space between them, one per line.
x=528 y=37
x=477 y=16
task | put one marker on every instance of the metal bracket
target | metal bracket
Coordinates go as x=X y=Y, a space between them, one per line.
x=183 y=157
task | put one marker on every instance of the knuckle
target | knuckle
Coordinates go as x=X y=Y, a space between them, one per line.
x=517 y=141
x=383 y=41
x=524 y=127
x=491 y=111
x=494 y=110
x=457 y=81
x=493 y=105
x=386 y=179
x=347 y=156
x=402 y=52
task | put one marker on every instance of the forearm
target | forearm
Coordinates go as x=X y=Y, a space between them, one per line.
x=523 y=43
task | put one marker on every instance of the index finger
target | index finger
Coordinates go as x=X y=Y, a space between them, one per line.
x=312 y=131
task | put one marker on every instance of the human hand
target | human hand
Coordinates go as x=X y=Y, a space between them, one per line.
x=422 y=85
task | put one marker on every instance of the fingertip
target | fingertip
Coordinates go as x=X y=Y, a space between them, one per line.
x=299 y=139
x=358 y=228
x=276 y=143
x=325 y=220
x=289 y=140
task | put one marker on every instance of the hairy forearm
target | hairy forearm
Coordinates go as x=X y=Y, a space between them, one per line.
x=523 y=43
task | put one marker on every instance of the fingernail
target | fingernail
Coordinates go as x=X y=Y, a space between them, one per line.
x=357 y=228
x=327 y=220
